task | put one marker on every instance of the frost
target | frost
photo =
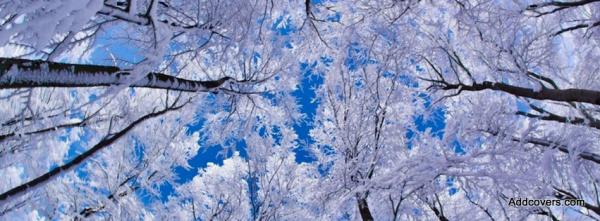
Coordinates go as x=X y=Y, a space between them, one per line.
x=309 y=122
x=12 y=176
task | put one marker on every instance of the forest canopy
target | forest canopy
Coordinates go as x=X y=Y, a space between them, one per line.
x=299 y=110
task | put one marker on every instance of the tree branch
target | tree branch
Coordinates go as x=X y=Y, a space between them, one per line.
x=563 y=194
x=23 y=73
x=565 y=95
x=548 y=116
x=545 y=143
x=107 y=141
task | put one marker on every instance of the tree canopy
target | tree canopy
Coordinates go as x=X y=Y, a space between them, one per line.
x=299 y=110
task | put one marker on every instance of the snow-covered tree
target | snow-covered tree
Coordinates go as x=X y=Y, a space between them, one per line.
x=63 y=118
x=518 y=86
x=427 y=110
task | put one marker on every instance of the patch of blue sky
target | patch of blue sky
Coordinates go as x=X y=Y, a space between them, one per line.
x=92 y=97
x=275 y=133
x=345 y=217
x=283 y=25
x=110 y=49
x=75 y=113
x=450 y=183
x=146 y=197
x=270 y=95
x=138 y=149
x=175 y=48
x=324 y=169
x=417 y=212
x=434 y=121
x=522 y=106
x=449 y=34
x=406 y=80
x=326 y=60
x=195 y=126
x=335 y=17
x=418 y=68
x=458 y=147
x=256 y=58
x=77 y=146
x=306 y=98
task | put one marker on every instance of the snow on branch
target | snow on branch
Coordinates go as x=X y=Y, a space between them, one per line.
x=105 y=142
x=22 y=73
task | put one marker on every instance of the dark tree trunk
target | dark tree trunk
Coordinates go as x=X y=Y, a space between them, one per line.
x=439 y=214
x=363 y=208
x=566 y=95
x=22 y=73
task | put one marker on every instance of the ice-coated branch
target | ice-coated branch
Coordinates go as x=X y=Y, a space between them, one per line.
x=88 y=211
x=554 y=94
x=144 y=19
x=549 y=116
x=439 y=213
x=556 y=6
x=562 y=148
x=561 y=4
x=577 y=27
x=563 y=95
x=585 y=155
x=23 y=73
x=107 y=141
x=567 y=95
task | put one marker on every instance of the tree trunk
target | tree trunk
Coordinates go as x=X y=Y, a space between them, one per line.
x=363 y=208
x=23 y=73
x=567 y=95
x=439 y=214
